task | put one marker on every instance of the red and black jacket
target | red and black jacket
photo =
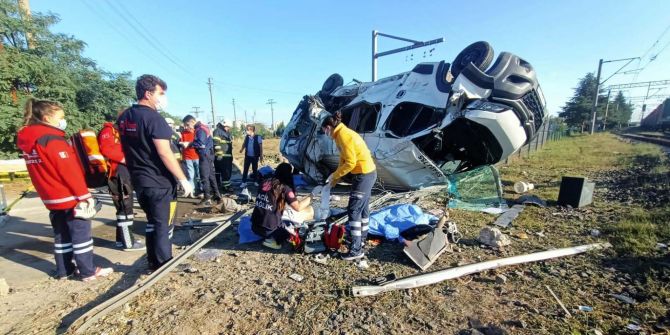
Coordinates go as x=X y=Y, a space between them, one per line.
x=110 y=147
x=53 y=166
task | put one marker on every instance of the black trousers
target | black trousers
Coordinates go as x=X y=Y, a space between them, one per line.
x=207 y=177
x=72 y=241
x=224 y=170
x=253 y=161
x=122 y=196
x=160 y=206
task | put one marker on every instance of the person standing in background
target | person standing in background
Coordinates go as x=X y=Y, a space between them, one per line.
x=189 y=154
x=223 y=154
x=119 y=185
x=253 y=145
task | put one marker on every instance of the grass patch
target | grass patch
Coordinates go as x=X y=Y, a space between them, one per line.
x=639 y=231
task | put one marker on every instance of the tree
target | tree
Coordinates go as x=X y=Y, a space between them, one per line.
x=577 y=111
x=280 y=129
x=619 y=112
x=51 y=67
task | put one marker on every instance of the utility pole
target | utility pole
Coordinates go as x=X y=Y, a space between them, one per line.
x=271 y=102
x=414 y=45
x=211 y=99
x=245 y=117
x=24 y=11
x=234 y=113
x=196 y=111
x=607 y=107
x=253 y=118
x=595 y=99
x=598 y=83
x=644 y=103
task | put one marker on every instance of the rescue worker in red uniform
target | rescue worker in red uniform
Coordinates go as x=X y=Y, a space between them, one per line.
x=120 y=187
x=58 y=177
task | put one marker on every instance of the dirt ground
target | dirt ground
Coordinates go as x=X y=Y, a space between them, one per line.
x=246 y=289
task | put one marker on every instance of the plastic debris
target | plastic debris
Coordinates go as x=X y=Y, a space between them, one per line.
x=296 y=277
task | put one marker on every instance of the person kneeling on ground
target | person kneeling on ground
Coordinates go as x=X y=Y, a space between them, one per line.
x=59 y=181
x=275 y=195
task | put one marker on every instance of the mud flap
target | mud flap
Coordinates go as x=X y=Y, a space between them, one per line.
x=424 y=252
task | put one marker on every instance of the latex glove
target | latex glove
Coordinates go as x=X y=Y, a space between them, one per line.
x=184 y=144
x=90 y=202
x=330 y=181
x=187 y=187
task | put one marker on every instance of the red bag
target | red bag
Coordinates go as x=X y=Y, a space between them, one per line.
x=334 y=237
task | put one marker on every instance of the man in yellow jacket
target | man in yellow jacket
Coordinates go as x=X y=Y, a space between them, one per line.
x=355 y=159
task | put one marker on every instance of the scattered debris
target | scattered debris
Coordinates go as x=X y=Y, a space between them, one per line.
x=530 y=199
x=624 y=298
x=4 y=288
x=508 y=216
x=363 y=264
x=321 y=259
x=661 y=246
x=493 y=237
x=191 y=270
x=585 y=308
x=425 y=250
x=451 y=273
x=523 y=187
x=521 y=235
x=595 y=232
x=208 y=255
x=567 y=313
x=501 y=279
x=296 y=277
x=229 y=205
x=633 y=327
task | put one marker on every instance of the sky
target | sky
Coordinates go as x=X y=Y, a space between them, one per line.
x=282 y=50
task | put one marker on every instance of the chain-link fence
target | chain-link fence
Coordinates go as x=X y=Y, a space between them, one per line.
x=550 y=131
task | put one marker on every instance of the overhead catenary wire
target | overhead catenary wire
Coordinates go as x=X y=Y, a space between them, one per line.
x=145 y=38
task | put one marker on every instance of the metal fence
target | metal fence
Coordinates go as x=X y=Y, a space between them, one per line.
x=549 y=132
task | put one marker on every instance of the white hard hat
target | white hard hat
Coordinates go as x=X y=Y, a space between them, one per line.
x=226 y=123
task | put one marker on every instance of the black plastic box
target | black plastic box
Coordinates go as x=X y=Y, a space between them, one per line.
x=576 y=192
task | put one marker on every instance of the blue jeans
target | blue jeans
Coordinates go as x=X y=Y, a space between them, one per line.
x=359 y=209
x=193 y=169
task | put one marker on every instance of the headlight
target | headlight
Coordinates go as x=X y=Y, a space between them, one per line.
x=487 y=106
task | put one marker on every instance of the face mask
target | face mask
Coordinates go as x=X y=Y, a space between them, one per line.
x=161 y=102
x=62 y=124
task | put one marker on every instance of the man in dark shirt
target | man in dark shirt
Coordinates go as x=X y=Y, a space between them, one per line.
x=145 y=138
x=253 y=145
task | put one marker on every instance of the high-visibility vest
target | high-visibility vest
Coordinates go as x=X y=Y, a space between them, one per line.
x=93 y=162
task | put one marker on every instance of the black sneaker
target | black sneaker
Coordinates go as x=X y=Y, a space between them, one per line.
x=351 y=257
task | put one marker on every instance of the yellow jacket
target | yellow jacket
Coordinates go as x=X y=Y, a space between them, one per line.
x=355 y=156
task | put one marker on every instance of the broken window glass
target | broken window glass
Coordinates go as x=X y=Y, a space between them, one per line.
x=476 y=189
x=361 y=118
x=409 y=118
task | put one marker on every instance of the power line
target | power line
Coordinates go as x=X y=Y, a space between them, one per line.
x=146 y=31
x=259 y=88
x=144 y=37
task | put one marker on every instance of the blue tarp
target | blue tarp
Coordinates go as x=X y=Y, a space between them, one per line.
x=244 y=230
x=392 y=220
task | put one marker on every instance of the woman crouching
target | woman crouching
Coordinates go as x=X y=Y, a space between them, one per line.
x=276 y=195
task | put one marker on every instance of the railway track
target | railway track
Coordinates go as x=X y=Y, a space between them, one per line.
x=655 y=139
